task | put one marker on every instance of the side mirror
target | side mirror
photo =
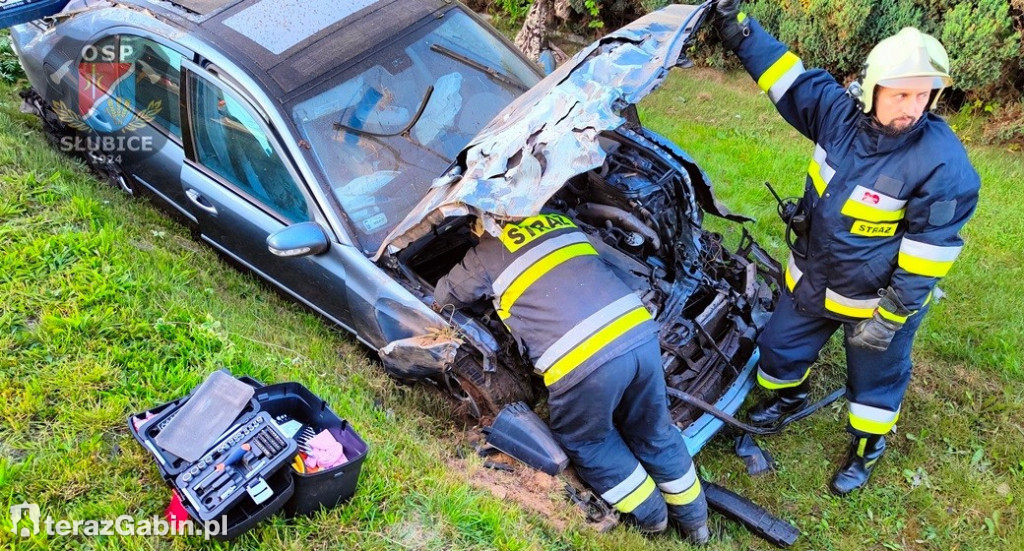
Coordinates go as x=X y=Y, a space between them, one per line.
x=302 y=239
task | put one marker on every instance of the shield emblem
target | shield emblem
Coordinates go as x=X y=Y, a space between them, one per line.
x=106 y=95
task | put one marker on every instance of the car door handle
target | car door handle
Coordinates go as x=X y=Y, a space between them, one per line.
x=199 y=201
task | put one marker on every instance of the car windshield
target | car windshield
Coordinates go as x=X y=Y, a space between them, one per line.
x=384 y=130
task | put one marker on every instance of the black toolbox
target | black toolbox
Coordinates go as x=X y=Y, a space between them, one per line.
x=278 y=486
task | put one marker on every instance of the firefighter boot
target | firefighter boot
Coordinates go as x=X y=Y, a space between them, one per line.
x=692 y=519
x=863 y=455
x=653 y=529
x=779 y=404
x=699 y=536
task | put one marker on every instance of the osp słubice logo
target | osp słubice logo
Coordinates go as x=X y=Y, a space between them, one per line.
x=106 y=93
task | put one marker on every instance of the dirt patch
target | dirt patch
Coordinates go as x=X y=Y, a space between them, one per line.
x=415 y=533
x=533 y=490
x=951 y=380
x=186 y=244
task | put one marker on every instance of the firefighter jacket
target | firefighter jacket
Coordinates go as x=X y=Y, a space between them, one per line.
x=884 y=210
x=568 y=311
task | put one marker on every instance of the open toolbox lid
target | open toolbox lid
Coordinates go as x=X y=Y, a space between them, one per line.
x=145 y=429
x=16 y=12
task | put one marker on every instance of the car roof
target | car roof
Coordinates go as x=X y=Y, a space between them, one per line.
x=290 y=46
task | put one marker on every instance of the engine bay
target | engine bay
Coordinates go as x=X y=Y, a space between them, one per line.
x=640 y=213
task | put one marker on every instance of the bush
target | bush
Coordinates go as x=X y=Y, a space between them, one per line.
x=651 y=5
x=982 y=43
x=10 y=68
x=835 y=35
x=514 y=9
x=510 y=12
x=1006 y=125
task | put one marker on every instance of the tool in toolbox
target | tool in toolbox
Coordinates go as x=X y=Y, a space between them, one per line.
x=236 y=466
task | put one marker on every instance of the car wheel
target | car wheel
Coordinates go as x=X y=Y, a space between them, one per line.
x=482 y=394
x=53 y=128
x=111 y=173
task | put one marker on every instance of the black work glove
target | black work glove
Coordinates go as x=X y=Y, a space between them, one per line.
x=730 y=28
x=876 y=333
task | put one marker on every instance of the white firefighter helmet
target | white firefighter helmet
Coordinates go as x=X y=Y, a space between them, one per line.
x=908 y=59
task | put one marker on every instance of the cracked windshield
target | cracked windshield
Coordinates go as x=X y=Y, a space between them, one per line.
x=395 y=122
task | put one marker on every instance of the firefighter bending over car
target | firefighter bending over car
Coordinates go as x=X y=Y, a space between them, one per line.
x=887 y=192
x=596 y=346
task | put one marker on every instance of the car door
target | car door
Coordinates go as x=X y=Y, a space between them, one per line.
x=125 y=91
x=156 y=159
x=242 y=188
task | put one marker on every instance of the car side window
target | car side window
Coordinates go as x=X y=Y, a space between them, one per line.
x=157 y=71
x=231 y=143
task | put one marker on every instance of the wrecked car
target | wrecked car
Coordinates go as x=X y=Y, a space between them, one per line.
x=341 y=151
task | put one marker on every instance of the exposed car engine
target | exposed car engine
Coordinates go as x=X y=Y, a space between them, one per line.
x=640 y=211
x=641 y=215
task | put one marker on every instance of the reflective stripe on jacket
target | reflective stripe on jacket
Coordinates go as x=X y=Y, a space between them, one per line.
x=884 y=210
x=568 y=310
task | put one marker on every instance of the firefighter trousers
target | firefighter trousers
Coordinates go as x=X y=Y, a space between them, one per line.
x=616 y=428
x=875 y=381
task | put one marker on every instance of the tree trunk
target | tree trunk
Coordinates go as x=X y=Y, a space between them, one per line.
x=533 y=37
x=563 y=9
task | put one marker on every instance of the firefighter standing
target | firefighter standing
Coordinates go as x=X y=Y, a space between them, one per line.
x=596 y=346
x=887 y=192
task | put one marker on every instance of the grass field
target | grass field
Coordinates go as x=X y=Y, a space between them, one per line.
x=108 y=308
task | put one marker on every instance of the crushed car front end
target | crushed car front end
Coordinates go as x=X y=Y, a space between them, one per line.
x=574 y=144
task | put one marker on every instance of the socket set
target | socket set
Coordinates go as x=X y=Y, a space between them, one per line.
x=237 y=466
x=246 y=473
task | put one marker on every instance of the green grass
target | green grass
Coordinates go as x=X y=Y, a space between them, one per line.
x=108 y=308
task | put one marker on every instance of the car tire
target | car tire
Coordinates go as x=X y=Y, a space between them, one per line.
x=483 y=394
x=112 y=174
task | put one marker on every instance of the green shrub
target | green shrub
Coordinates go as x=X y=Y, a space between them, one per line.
x=10 y=68
x=983 y=37
x=512 y=9
x=835 y=35
x=982 y=43
x=1006 y=125
x=609 y=14
x=651 y=5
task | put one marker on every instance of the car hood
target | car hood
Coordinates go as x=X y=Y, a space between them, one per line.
x=550 y=133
